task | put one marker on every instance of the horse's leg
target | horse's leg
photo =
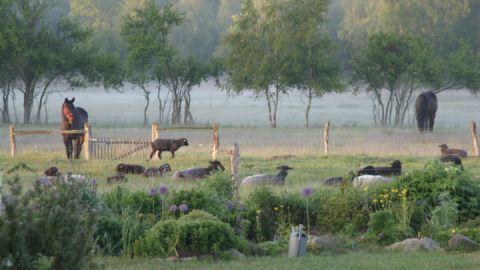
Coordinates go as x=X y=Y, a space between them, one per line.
x=160 y=154
x=68 y=147
x=431 y=122
x=79 y=146
x=173 y=154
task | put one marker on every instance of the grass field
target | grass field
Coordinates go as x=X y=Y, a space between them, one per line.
x=353 y=261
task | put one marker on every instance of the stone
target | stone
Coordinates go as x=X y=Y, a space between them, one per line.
x=415 y=244
x=188 y=259
x=461 y=242
x=235 y=253
x=323 y=243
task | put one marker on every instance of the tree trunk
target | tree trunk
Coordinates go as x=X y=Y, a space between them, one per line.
x=309 y=105
x=269 y=105
x=147 y=99
x=5 y=108
x=40 y=102
x=187 y=117
x=28 y=95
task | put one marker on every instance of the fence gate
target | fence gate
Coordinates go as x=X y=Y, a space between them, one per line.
x=117 y=148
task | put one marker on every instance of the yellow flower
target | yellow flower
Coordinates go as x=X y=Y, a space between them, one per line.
x=453 y=231
x=281 y=206
x=258 y=211
x=394 y=190
x=381 y=201
x=375 y=200
x=275 y=208
x=365 y=189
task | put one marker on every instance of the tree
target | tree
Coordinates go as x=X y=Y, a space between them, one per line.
x=146 y=33
x=49 y=50
x=253 y=60
x=311 y=55
x=391 y=67
x=7 y=51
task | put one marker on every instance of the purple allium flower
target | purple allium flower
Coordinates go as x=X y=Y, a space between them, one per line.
x=173 y=208
x=153 y=191
x=163 y=190
x=183 y=207
x=230 y=206
x=307 y=192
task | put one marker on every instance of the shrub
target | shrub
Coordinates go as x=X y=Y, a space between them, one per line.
x=200 y=199
x=188 y=236
x=434 y=179
x=109 y=235
x=381 y=227
x=50 y=226
x=220 y=183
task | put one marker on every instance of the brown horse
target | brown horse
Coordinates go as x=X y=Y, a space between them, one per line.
x=73 y=119
x=425 y=108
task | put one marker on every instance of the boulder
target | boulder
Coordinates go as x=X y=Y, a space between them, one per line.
x=235 y=253
x=415 y=244
x=324 y=243
x=461 y=242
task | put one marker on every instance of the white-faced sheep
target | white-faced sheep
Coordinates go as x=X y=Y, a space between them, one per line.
x=199 y=173
x=169 y=145
x=259 y=179
x=450 y=151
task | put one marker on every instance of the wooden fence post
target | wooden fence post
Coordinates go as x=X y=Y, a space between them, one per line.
x=326 y=136
x=234 y=166
x=86 y=141
x=13 y=144
x=216 y=142
x=474 y=137
x=154 y=131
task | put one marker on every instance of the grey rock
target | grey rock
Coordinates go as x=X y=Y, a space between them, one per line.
x=461 y=242
x=235 y=253
x=323 y=243
x=416 y=244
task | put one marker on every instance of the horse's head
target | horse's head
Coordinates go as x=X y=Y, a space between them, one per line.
x=67 y=110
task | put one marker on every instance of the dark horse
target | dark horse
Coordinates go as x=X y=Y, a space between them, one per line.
x=73 y=119
x=425 y=109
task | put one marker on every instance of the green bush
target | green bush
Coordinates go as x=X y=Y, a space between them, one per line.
x=201 y=199
x=435 y=179
x=51 y=226
x=221 y=183
x=188 y=236
x=109 y=235
x=381 y=227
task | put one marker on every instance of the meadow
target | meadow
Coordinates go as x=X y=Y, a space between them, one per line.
x=353 y=144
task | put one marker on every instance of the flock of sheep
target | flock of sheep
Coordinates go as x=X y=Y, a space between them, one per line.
x=365 y=176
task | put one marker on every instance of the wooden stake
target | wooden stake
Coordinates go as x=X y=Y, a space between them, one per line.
x=86 y=142
x=234 y=166
x=13 y=144
x=154 y=131
x=216 y=142
x=474 y=137
x=326 y=136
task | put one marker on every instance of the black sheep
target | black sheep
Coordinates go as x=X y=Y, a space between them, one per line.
x=199 y=173
x=394 y=169
x=52 y=171
x=452 y=158
x=451 y=151
x=129 y=168
x=169 y=145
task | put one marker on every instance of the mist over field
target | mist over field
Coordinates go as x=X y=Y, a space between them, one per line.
x=210 y=104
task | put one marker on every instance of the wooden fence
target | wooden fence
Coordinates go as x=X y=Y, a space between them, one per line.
x=113 y=148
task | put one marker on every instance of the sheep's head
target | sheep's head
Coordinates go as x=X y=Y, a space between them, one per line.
x=183 y=141
x=396 y=164
x=165 y=168
x=284 y=168
x=443 y=147
x=216 y=165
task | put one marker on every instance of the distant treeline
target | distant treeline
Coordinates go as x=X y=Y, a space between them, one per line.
x=269 y=47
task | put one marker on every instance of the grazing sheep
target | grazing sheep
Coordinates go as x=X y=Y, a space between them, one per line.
x=278 y=179
x=450 y=151
x=394 y=169
x=199 y=173
x=117 y=178
x=452 y=158
x=129 y=168
x=157 y=171
x=52 y=171
x=367 y=180
x=169 y=145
